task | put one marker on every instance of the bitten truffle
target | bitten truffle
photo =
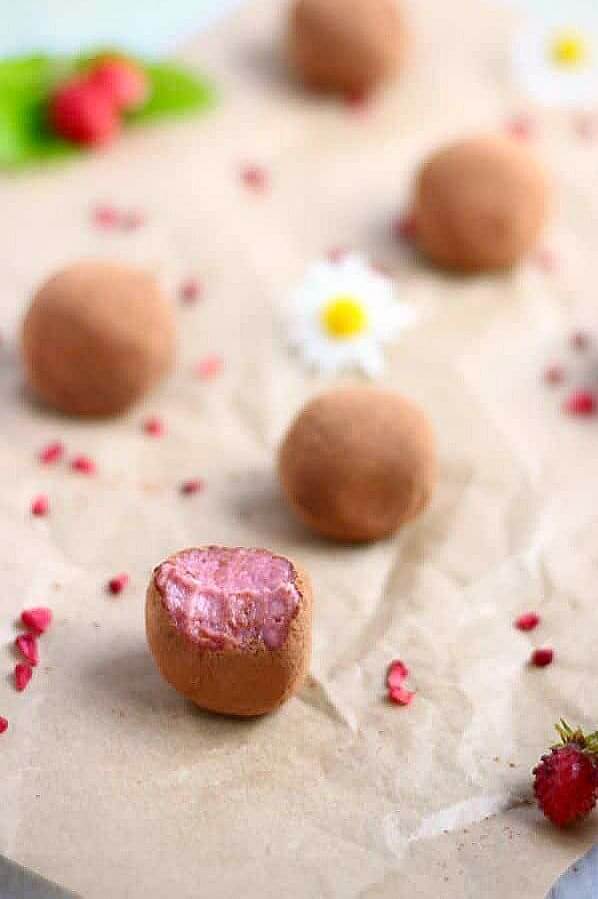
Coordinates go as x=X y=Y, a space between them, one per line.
x=480 y=204
x=230 y=629
x=96 y=337
x=358 y=462
x=345 y=46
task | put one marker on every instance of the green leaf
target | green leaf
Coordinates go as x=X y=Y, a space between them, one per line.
x=174 y=91
x=27 y=82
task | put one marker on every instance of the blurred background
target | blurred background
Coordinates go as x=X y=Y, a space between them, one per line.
x=156 y=28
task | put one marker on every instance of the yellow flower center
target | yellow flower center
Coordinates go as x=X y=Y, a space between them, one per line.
x=570 y=50
x=344 y=317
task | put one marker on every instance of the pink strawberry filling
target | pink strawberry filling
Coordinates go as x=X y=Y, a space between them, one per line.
x=223 y=597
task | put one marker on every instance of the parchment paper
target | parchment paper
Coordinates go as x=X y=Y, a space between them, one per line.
x=113 y=785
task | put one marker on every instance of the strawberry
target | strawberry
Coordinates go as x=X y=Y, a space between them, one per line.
x=566 y=779
x=123 y=81
x=84 y=113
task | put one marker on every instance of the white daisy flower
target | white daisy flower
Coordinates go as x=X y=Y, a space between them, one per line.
x=343 y=313
x=557 y=63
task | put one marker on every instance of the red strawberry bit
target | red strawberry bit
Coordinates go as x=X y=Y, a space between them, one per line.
x=255 y=178
x=520 y=127
x=400 y=695
x=190 y=291
x=209 y=367
x=40 y=505
x=527 y=622
x=357 y=100
x=554 y=374
x=397 y=673
x=27 y=646
x=154 y=426
x=586 y=127
x=117 y=584
x=337 y=254
x=404 y=228
x=37 y=620
x=580 y=341
x=540 y=658
x=106 y=217
x=3 y=724
x=51 y=453
x=580 y=402
x=192 y=486
x=546 y=260
x=23 y=674
x=132 y=220
x=84 y=465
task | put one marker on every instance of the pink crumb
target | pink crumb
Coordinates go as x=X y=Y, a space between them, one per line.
x=193 y=485
x=401 y=696
x=190 y=291
x=27 y=646
x=37 y=620
x=520 y=127
x=527 y=622
x=40 y=506
x=404 y=228
x=209 y=367
x=546 y=260
x=554 y=374
x=397 y=673
x=106 y=217
x=52 y=452
x=3 y=724
x=337 y=254
x=586 y=127
x=540 y=658
x=580 y=402
x=255 y=178
x=118 y=583
x=580 y=341
x=223 y=597
x=83 y=465
x=154 y=426
x=357 y=101
x=23 y=674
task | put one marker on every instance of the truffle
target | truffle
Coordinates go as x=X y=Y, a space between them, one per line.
x=358 y=462
x=345 y=46
x=230 y=629
x=96 y=337
x=480 y=204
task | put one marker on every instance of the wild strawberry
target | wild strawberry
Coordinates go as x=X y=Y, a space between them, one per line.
x=123 y=81
x=83 y=113
x=566 y=779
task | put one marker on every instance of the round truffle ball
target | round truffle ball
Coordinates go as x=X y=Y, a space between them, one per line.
x=345 y=46
x=480 y=204
x=358 y=462
x=230 y=629
x=96 y=337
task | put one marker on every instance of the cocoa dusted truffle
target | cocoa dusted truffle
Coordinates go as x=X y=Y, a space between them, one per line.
x=230 y=629
x=358 y=462
x=96 y=337
x=480 y=204
x=345 y=46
